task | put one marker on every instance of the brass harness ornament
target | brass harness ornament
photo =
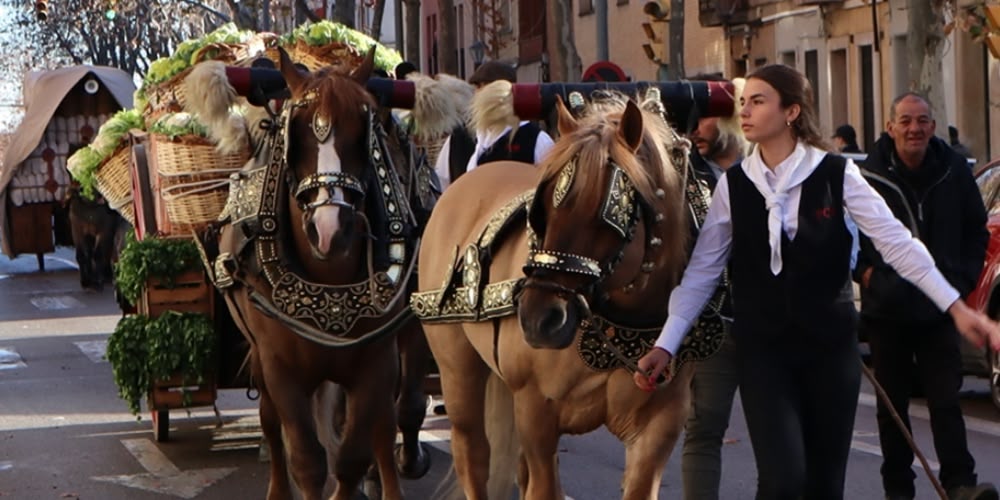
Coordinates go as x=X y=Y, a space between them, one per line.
x=322 y=313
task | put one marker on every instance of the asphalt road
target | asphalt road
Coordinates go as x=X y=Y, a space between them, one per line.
x=64 y=433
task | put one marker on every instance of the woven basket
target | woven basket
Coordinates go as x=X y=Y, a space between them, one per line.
x=126 y=209
x=193 y=179
x=169 y=96
x=315 y=57
x=165 y=97
x=113 y=178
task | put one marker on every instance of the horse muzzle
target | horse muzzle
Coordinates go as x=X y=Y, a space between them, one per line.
x=550 y=320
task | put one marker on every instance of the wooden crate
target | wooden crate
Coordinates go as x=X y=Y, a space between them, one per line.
x=169 y=394
x=191 y=294
x=31 y=228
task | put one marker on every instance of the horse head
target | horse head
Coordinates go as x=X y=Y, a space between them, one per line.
x=606 y=216
x=327 y=155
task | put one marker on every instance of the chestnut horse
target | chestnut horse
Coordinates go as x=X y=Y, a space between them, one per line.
x=314 y=263
x=603 y=247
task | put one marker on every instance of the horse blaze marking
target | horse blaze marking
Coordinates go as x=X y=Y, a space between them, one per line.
x=162 y=475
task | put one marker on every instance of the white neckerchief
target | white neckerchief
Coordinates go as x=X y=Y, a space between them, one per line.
x=790 y=173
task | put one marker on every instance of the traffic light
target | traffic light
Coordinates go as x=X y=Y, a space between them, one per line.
x=653 y=28
x=42 y=10
x=992 y=39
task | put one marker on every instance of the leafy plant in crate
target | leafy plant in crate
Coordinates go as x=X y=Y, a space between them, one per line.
x=143 y=351
x=153 y=258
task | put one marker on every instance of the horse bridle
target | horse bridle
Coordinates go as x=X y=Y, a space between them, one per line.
x=321 y=127
x=621 y=210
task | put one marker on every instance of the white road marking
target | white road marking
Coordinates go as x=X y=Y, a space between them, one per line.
x=919 y=411
x=6 y=465
x=93 y=349
x=163 y=476
x=54 y=303
x=874 y=449
x=10 y=359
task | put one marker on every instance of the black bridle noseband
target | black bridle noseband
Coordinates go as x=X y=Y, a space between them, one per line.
x=621 y=210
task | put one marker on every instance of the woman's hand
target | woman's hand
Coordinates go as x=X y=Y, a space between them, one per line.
x=975 y=326
x=651 y=366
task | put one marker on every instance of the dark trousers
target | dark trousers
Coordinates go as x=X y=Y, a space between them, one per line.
x=934 y=348
x=799 y=397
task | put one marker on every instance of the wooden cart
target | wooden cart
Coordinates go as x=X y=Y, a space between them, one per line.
x=191 y=293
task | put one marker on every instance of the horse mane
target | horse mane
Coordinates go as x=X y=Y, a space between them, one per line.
x=595 y=141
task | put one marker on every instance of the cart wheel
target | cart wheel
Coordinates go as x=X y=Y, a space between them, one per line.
x=161 y=425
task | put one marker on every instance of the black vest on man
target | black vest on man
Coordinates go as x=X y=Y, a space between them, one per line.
x=521 y=149
x=812 y=294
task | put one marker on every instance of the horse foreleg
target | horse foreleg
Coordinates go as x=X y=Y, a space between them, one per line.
x=369 y=432
x=278 y=487
x=463 y=382
x=306 y=454
x=657 y=426
x=538 y=430
x=413 y=460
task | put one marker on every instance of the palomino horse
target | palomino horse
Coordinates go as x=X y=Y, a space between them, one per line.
x=314 y=263
x=604 y=245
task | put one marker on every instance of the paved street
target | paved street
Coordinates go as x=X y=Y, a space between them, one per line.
x=65 y=434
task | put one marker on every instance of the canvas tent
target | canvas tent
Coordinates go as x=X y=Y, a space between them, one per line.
x=63 y=110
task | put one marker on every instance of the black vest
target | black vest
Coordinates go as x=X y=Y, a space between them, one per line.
x=461 y=147
x=811 y=297
x=522 y=149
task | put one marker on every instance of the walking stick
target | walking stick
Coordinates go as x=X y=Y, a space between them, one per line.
x=906 y=432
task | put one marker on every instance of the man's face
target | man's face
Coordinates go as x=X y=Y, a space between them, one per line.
x=706 y=137
x=913 y=127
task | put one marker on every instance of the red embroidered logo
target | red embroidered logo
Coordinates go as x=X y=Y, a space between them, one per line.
x=513 y=148
x=824 y=213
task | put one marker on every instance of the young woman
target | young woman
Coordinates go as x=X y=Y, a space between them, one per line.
x=778 y=221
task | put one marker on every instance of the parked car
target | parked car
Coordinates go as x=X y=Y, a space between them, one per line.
x=984 y=362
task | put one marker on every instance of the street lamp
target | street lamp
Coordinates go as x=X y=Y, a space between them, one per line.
x=478 y=50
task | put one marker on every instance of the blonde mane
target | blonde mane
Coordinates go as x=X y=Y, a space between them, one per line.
x=595 y=141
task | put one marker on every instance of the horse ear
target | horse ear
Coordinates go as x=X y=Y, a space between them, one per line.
x=363 y=72
x=630 y=127
x=293 y=77
x=566 y=123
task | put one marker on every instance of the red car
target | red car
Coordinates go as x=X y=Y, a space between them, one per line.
x=986 y=297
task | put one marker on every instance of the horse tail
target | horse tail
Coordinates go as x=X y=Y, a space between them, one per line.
x=210 y=96
x=505 y=449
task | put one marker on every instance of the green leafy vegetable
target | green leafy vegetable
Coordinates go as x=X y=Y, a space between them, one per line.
x=160 y=258
x=177 y=124
x=327 y=32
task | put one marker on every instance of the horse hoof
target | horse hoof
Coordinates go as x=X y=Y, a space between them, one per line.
x=413 y=467
x=371 y=489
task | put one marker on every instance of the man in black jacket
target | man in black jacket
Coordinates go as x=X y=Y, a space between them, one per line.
x=931 y=190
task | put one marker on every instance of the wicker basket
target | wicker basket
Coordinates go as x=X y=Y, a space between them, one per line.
x=193 y=179
x=113 y=178
x=315 y=57
x=165 y=97
x=169 y=96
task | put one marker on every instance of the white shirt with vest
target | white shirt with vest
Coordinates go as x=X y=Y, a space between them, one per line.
x=782 y=190
x=484 y=141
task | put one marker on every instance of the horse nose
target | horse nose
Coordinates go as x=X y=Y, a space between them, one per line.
x=550 y=320
x=326 y=221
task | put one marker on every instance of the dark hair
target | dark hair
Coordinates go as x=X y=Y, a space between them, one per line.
x=491 y=71
x=953 y=134
x=404 y=68
x=794 y=88
x=847 y=133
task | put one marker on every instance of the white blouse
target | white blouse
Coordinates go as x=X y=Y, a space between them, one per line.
x=907 y=255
